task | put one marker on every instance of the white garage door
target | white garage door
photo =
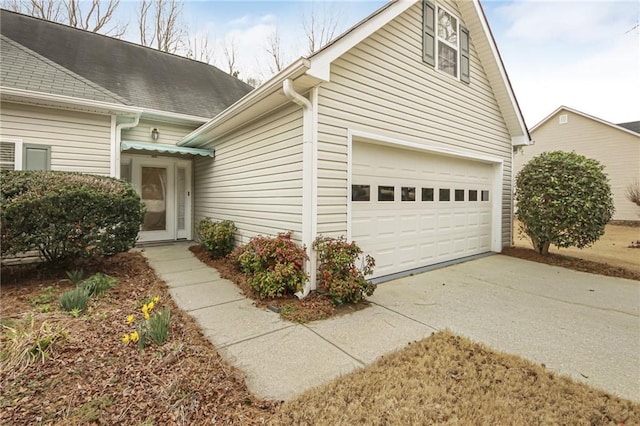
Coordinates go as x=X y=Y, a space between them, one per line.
x=411 y=209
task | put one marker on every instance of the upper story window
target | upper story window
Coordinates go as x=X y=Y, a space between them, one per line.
x=445 y=42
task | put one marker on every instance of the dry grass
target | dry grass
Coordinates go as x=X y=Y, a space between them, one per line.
x=449 y=379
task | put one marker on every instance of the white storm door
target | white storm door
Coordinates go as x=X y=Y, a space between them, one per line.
x=155 y=182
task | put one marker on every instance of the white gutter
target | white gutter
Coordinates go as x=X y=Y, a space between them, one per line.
x=308 y=189
x=115 y=149
x=253 y=97
x=10 y=93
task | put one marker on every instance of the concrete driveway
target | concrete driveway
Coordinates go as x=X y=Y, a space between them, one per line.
x=583 y=325
x=579 y=324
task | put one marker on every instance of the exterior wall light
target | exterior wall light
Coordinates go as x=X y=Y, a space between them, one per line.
x=155 y=134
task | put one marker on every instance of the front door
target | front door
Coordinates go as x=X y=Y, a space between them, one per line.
x=164 y=184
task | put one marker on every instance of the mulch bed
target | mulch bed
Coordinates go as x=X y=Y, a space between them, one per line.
x=92 y=377
x=572 y=263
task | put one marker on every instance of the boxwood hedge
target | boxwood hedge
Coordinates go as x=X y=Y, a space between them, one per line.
x=66 y=215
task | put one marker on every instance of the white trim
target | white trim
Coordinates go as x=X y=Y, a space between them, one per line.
x=599 y=120
x=11 y=94
x=322 y=59
x=17 y=154
x=496 y=187
x=114 y=163
x=501 y=68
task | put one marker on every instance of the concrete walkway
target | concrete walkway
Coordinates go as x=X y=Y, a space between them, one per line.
x=579 y=324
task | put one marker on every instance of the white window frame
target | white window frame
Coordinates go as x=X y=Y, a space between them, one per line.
x=438 y=40
x=17 y=156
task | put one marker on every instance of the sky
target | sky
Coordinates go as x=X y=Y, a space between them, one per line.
x=581 y=54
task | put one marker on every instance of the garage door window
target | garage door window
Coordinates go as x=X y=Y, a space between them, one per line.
x=445 y=194
x=385 y=193
x=427 y=194
x=473 y=195
x=408 y=193
x=459 y=195
x=360 y=192
x=485 y=195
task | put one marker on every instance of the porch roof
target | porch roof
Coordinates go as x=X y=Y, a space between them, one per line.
x=172 y=149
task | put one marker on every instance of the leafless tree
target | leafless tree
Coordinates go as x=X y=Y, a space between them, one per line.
x=274 y=50
x=198 y=48
x=91 y=15
x=320 y=26
x=230 y=53
x=253 y=81
x=633 y=192
x=159 y=22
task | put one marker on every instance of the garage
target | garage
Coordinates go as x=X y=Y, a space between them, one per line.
x=411 y=208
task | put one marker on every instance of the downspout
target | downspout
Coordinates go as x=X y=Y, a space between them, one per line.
x=118 y=139
x=308 y=188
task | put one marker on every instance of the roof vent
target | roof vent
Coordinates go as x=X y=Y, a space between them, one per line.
x=564 y=119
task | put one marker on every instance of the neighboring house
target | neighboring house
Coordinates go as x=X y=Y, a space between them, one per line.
x=398 y=135
x=616 y=146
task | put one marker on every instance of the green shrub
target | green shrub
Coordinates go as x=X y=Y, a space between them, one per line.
x=217 y=237
x=75 y=299
x=338 y=274
x=67 y=215
x=157 y=327
x=97 y=284
x=563 y=199
x=275 y=265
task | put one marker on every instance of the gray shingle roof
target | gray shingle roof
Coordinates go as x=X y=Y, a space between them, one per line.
x=634 y=126
x=25 y=69
x=141 y=76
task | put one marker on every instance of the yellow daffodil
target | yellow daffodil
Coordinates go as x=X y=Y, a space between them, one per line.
x=130 y=318
x=125 y=338
x=144 y=309
x=146 y=315
x=134 y=336
x=156 y=299
x=150 y=305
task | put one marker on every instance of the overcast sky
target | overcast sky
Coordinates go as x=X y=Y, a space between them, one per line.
x=582 y=54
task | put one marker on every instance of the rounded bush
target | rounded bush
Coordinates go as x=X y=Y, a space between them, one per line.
x=274 y=265
x=563 y=199
x=65 y=215
x=217 y=237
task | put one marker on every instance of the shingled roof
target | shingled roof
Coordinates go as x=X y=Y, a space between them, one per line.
x=634 y=126
x=136 y=75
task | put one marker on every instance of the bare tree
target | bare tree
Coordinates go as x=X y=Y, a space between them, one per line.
x=159 y=22
x=274 y=49
x=320 y=26
x=198 y=48
x=230 y=53
x=633 y=192
x=92 y=15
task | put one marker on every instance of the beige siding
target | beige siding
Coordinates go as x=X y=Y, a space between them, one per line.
x=170 y=134
x=80 y=142
x=255 y=179
x=617 y=150
x=382 y=87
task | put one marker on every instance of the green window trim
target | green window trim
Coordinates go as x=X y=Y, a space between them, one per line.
x=36 y=157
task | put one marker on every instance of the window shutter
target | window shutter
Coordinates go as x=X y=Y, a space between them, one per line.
x=464 y=55
x=37 y=157
x=7 y=155
x=429 y=33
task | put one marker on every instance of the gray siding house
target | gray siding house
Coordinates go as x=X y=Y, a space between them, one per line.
x=399 y=135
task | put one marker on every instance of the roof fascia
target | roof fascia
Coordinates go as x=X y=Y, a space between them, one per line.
x=66 y=102
x=237 y=111
x=525 y=137
x=173 y=117
x=591 y=117
x=321 y=60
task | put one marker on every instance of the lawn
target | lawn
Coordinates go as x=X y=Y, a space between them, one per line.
x=81 y=372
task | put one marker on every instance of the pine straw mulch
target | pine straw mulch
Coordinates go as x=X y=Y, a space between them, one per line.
x=92 y=377
x=316 y=306
x=572 y=263
x=450 y=379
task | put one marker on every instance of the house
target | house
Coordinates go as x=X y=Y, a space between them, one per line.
x=399 y=134
x=616 y=146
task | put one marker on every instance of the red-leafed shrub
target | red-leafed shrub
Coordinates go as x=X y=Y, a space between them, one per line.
x=274 y=265
x=338 y=274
